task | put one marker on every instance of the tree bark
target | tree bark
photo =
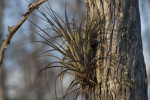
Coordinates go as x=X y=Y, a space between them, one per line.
x=121 y=72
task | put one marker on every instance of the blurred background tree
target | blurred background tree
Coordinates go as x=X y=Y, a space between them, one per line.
x=1 y=72
x=20 y=66
x=19 y=63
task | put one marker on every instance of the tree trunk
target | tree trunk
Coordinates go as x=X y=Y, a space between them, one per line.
x=1 y=78
x=121 y=72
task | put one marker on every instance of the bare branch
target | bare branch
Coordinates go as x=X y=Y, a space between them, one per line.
x=13 y=30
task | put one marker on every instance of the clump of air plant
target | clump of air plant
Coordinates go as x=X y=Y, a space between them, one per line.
x=76 y=45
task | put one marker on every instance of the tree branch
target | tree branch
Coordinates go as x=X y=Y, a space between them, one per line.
x=13 y=30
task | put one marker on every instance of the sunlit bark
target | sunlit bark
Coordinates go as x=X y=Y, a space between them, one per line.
x=121 y=74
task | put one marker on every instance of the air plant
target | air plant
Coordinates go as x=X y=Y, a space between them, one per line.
x=75 y=44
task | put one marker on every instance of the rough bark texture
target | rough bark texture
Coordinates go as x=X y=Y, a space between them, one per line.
x=121 y=72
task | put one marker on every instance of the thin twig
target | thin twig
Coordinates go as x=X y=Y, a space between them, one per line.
x=13 y=30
